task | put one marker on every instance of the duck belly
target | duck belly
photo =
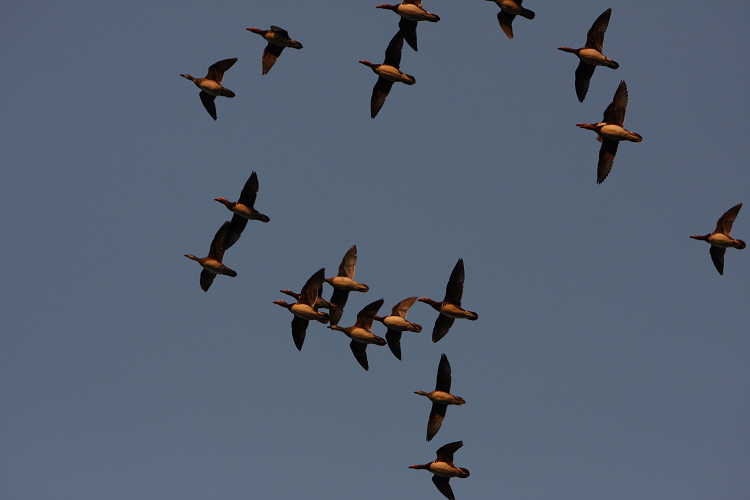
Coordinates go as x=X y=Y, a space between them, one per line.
x=614 y=132
x=211 y=87
x=411 y=12
x=392 y=73
x=347 y=284
x=592 y=57
x=721 y=240
x=242 y=211
x=453 y=311
x=304 y=311
x=445 y=469
x=396 y=323
x=363 y=336
x=441 y=397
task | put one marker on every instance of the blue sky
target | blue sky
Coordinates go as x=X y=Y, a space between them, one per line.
x=609 y=359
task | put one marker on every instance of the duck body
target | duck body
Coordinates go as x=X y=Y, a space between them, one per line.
x=360 y=333
x=443 y=469
x=440 y=397
x=450 y=308
x=212 y=264
x=304 y=310
x=211 y=86
x=590 y=55
x=388 y=73
x=721 y=238
x=397 y=323
x=320 y=302
x=509 y=9
x=411 y=13
x=278 y=39
x=243 y=210
x=344 y=283
x=610 y=132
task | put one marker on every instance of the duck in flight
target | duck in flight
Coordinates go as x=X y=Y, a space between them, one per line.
x=212 y=264
x=721 y=238
x=590 y=55
x=243 y=210
x=440 y=397
x=450 y=308
x=411 y=13
x=211 y=85
x=277 y=39
x=388 y=73
x=443 y=469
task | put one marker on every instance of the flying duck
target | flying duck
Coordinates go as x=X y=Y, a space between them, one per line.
x=277 y=39
x=211 y=85
x=591 y=55
x=397 y=323
x=243 y=210
x=443 y=469
x=360 y=332
x=440 y=397
x=304 y=309
x=212 y=263
x=610 y=132
x=450 y=308
x=509 y=9
x=720 y=239
x=388 y=73
x=411 y=13
x=343 y=284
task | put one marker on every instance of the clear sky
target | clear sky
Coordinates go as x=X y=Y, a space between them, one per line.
x=610 y=359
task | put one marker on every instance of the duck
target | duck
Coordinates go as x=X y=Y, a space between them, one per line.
x=360 y=332
x=397 y=323
x=388 y=73
x=590 y=55
x=411 y=13
x=443 y=469
x=440 y=397
x=243 y=210
x=212 y=264
x=610 y=132
x=721 y=238
x=320 y=302
x=304 y=310
x=344 y=283
x=509 y=9
x=450 y=308
x=211 y=85
x=277 y=39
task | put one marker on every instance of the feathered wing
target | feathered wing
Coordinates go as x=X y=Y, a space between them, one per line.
x=726 y=221
x=379 y=93
x=366 y=315
x=299 y=330
x=595 y=36
x=443 y=323
x=717 y=257
x=506 y=22
x=360 y=353
x=236 y=226
x=443 y=485
x=250 y=191
x=606 y=159
x=310 y=291
x=393 y=338
x=207 y=277
x=437 y=415
x=584 y=72
x=409 y=31
x=443 y=382
x=208 y=103
x=402 y=307
x=346 y=268
x=217 y=69
x=270 y=54
x=454 y=290
x=393 y=51
x=615 y=112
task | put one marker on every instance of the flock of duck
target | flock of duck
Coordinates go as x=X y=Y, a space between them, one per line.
x=310 y=301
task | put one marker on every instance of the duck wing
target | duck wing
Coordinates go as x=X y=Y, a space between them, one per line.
x=270 y=54
x=393 y=51
x=615 y=112
x=217 y=69
x=443 y=382
x=236 y=226
x=250 y=191
x=402 y=307
x=409 y=31
x=217 y=244
x=506 y=22
x=725 y=222
x=346 y=268
x=208 y=103
x=366 y=315
x=393 y=338
x=443 y=485
x=606 y=159
x=595 y=36
x=443 y=323
x=445 y=452
x=717 y=256
x=360 y=353
x=299 y=330
x=338 y=299
x=437 y=415
x=207 y=277
x=310 y=290
x=454 y=290
x=379 y=93
x=584 y=72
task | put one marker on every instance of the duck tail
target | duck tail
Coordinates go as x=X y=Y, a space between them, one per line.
x=612 y=64
x=472 y=316
x=741 y=245
x=527 y=14
x=411 y=80
x=635 y=137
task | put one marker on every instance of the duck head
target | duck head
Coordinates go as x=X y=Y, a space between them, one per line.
x=394 y=8
x=257 y=31
x=702 y=238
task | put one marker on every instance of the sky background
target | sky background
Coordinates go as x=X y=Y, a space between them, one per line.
x=610 y=359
